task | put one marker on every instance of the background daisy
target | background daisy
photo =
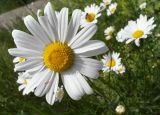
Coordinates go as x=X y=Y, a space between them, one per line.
x=90 y=15
x=112 y=8
x=111 y=62
x=136 y=30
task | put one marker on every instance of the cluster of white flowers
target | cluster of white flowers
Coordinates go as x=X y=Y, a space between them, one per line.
x=109 y=6
x=93 y=12
x=112 y=62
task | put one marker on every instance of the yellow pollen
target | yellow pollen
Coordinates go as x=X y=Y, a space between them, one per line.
x=90 y=17
x=138 y=34
x=21 y=59
x=58 y=56
x=111 y=63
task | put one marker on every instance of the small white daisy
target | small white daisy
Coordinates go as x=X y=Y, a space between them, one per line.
x=23 y=79
x=90 y=15
x=143 y=5
x=120 y=110
x=136 y=30
x=121 y=69
x=57 y=50
x=111 y=62
x=109 y=31
x=107 y=2
x=112 y=8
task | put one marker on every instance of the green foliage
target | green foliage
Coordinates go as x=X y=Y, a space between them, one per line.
x=137 y=89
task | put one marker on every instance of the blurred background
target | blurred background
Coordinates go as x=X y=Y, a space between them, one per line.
x=138 y=90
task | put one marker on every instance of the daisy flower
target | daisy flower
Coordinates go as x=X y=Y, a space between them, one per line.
x=107 y=2
x=90 y=15
x=112 y=8
x=143 y=5
x=56 y=49
x=104 y=4
x=136 y=30
x=109 y=31
x=23 y=80
x=111 y=62
x=121 y=69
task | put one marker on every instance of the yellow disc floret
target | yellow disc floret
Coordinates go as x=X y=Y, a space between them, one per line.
x=21 y=59
x=113 y=10
x=111 y=63
x=90 y=17
x=138 y=34
x=58 y=56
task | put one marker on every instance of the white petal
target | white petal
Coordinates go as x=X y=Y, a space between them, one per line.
x=36 y=80
x=73 y=25
x=21 y=87
x=44 y=86
x=89 y=62
x=51 y=95
x=83 y=36
x=34 y=27
x=91 y=48
x=88 y=71
x=52 y=33
x=24 y=40
x=137 y=42
x=129 y=40
x=88 y=90
x=28 y=64
x=63 y=24
x=50 y=13
x=73 y=89
x=16 y=60
x=32 y=71
x=25 y=53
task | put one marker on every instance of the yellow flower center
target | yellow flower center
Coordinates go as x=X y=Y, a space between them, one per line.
x=113 y=10
x=111 y=63
x=138 y=34
x=25 y=82
x=58 y=56
x=21 y=59
x=90 y=17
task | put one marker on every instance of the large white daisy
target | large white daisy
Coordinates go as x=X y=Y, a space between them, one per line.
x=90 y=15
x=136 y=30
x=58 y=49
x=111 y=62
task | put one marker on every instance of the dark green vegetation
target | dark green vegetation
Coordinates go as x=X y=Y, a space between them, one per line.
x=7 y=5
x=138 y=89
